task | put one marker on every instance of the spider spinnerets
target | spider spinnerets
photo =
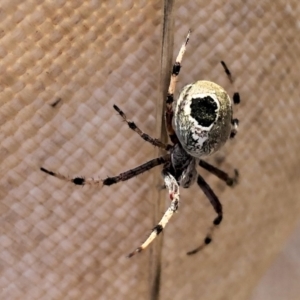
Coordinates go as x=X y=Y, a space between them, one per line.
x=198 y=124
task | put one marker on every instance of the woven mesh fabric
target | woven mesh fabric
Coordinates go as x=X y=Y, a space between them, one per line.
x=63 y=65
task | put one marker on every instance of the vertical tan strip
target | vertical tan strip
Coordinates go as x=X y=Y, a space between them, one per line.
x=158 y=193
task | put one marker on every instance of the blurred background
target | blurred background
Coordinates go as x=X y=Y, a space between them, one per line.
x=63 y=66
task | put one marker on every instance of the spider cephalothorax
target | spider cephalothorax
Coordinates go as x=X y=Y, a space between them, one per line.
x=198 y=125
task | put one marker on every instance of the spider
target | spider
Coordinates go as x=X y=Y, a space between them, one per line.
x=198 y=124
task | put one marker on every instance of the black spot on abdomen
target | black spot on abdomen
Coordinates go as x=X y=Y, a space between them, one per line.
x=203 y=110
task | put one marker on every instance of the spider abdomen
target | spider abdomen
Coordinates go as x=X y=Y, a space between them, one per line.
x=203 y=117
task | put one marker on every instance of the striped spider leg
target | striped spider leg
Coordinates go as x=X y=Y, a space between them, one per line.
x=112 y=180
x=236 y=100
x=169 y=113
x=173 y=188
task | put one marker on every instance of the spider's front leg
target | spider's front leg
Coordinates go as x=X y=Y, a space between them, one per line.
x=213 y=199
x=173 y=187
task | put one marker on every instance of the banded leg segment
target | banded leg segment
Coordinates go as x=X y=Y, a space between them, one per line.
x=170 y=97
x=138 y=170
x=144 y=136
x=112 y=180
x=227 y=71
x=213 y=199
x=234 y=128
x=236 y=95
x=173 y=187
x=230 y=181
x=236 y=100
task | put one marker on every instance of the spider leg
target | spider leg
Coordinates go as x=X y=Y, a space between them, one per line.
x=112 y=180
x=144 y=136
x=227 y=71
x=235 y=127
x=236 y=100
x=230 y=181
x=171 y=90
x=173 y=188
x=209 y=193
x=236 y=95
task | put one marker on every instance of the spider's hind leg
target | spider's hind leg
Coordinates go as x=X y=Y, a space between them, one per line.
x=209 y=193
x=170 y=97
x=236 y=96
x=236 y=100
x=144 y=136
x=234 y=128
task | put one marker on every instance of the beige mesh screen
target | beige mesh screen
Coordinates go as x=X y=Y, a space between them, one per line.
x=63 y=65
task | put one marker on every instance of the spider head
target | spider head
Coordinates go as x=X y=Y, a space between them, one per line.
x=202 y=120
